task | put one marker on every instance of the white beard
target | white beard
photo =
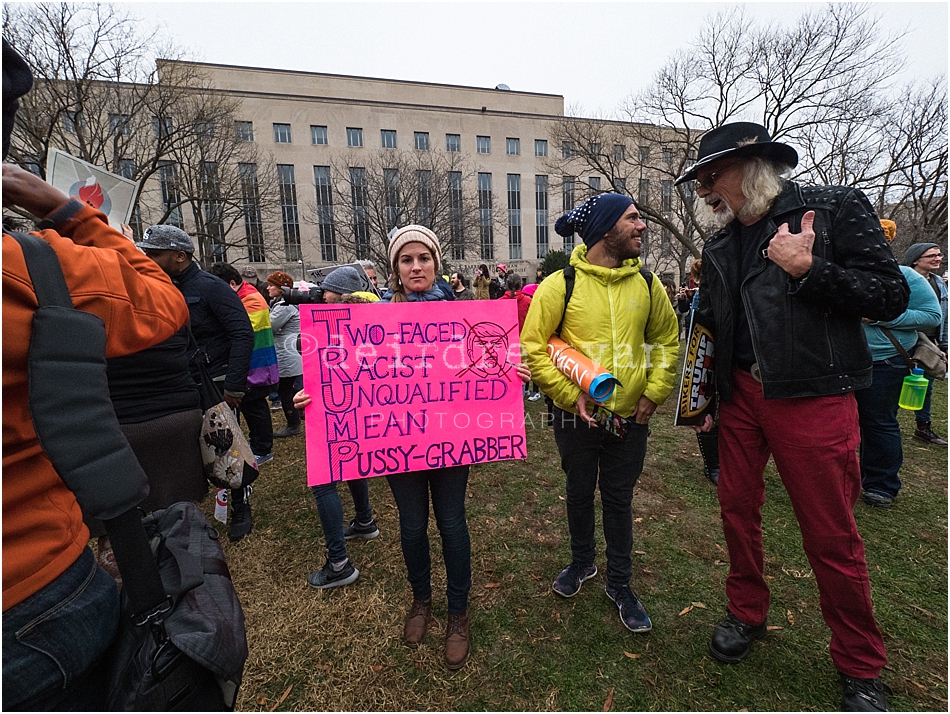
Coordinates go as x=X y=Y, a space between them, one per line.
x=705 y=215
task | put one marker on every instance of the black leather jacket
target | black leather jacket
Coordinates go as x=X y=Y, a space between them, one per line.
x=806 y=333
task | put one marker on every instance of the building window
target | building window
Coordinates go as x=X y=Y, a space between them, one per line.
x=354 y=137
x=161 y=127
x=643 y=191
x=171 y=201
x=213 y=211
x=288 y=211
x=594 y=183
x=421 y=139
x=643 y=154
x=567 y=203
x=321 y=181
x=453 y=142
x=318 y=135
x=620 y=152
x=620 y=185
x=514 y=216
x=540 y=147
x=72 y=121
x=282 y=133
x=393 y=205
x=251 y=200
x=483 y=144
x=593 y=148
x=689 y=191
x=667 y=155
x=388 y=138
x=456 y=235
x=244 y=130
x=423 y=197
x=691 y=154
x=513 y=147
x=486 y=235
x=666 y=194
x=119 y=124
x=541 y=215
x=127 y=170
x=567 y=149
x=359 y=196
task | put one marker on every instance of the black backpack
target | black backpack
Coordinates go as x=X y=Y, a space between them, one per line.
x=181 y=643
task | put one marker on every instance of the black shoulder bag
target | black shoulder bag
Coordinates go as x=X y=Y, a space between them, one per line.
x=181 y=644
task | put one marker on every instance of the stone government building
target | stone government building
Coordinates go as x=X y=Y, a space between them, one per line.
x=307 y=121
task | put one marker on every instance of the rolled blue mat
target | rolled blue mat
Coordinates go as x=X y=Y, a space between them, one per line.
x=602 y=386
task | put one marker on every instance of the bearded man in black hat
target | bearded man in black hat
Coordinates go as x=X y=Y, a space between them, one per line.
x=786 y=282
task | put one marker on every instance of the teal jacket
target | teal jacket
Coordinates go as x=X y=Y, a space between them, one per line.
x=923 y=311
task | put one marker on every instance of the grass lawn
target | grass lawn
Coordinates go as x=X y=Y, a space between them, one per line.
x=532 y=650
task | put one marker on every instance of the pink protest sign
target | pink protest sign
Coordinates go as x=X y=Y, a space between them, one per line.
x=410 y=387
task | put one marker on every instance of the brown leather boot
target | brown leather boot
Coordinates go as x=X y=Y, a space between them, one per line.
x=417 y=622
x=456 y=641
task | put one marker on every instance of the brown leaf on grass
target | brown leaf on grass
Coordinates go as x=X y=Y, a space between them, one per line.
x=377 y=668
x=638 y=520
x=719 y=562
x=610 y=701
x=719 y=548
x=261 y=699
x=650 y=681
x=923 y=611
x=492 y=584
x=561 y=498
x=640 y=552
x=557 y=616
x=700 y=605
x=282 y=698
x=685 y=610
x=506 y=547
x=324 y=667
x=790 y=617
x=774 y=627
x=631 y=655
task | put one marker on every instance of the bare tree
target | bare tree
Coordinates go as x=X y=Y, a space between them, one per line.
x=824 y=85
x=361 y=198
x=101 y=95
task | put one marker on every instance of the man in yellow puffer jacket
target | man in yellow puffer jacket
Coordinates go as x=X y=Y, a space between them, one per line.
x=629 y=327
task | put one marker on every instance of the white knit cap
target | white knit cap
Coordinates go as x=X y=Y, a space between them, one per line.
x=414 y=234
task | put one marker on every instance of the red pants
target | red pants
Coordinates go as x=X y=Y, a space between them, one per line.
x=813 y=442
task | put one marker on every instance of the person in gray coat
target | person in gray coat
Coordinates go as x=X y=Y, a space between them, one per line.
x=285 y=322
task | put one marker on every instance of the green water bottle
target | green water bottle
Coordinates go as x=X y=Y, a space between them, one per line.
x=914 y=390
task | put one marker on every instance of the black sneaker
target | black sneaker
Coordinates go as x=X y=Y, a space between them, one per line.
x=327 y=577
x=732 y=639
x=878 y=500
x=241 y=522
x=632 y=614
x=568 y=582
x=864 y=695
x=358 y=530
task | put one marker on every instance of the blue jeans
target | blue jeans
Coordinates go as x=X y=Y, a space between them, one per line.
x=53 y=640
x=589 y=455
x=923 y=416
x=881 y=451
x=330 y=509
x=411 y=491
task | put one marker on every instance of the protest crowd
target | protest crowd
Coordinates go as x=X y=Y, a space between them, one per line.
x=811 y=315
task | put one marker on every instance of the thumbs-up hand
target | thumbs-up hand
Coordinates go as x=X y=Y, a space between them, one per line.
x=792 y=251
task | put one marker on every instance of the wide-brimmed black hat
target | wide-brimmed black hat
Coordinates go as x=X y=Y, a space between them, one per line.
x=739 y=139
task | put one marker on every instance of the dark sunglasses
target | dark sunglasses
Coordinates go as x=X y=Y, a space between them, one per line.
x=612 y=423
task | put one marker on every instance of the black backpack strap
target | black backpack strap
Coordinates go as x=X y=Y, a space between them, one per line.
x=76 y=425
x=569 y=275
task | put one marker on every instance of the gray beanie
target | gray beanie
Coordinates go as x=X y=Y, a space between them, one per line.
x=344 y=280
x=915 y=251
x=165 y=237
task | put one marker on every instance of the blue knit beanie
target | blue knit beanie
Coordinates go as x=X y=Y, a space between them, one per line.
x=594 y=217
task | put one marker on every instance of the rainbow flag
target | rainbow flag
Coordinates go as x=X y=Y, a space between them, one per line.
x=263 y=369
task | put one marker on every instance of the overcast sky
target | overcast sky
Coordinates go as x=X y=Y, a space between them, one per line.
x=594 y=54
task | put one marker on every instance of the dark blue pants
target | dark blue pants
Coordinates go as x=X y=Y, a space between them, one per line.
x=591 y=457
x=260 y=428
x=330 y=509
x=448 y=489
x=881 y=451
x=53 y=640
